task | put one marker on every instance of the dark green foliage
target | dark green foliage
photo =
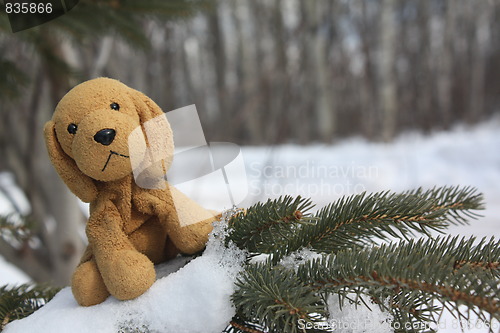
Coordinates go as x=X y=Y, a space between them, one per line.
x=86 y=22
x=407 y=278
x=261 y=225
x=19 y=302
x=412 y=278
x=358 y=220
x=13 y=79
x=124 y=18
x=274 y=298
x=284 y=225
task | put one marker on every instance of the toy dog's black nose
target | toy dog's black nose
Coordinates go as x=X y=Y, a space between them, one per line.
x=105 y=136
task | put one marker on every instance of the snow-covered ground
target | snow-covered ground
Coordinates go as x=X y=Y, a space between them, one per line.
x=464 y=156
x=194 y=299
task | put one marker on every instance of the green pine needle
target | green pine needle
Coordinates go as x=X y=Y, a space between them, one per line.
x=274 y=298
x=263 y=228
x=89 y=20
x=412 y=279
x=359 y=220
x=21 y=301
x=413 y=275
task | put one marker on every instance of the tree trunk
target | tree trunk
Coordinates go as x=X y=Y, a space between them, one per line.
x=478 y=65
x=59 y=219
x=445 y=65
x=324 y=92
x=387 y=90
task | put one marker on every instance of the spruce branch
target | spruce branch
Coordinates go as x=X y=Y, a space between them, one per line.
x=265 y=227
x=356 y=221
x=413 y=276
x=273 y=297
x=412 y=279
x=21 y=301
x=122 y=18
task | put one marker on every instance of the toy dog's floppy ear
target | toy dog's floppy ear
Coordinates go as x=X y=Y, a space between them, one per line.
x=151 y=170
x=81 y=185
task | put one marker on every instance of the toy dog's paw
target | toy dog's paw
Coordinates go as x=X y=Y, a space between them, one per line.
x=129 y=274
x=87 y=285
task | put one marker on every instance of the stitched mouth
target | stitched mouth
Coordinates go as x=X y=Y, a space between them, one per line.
x=111 y=153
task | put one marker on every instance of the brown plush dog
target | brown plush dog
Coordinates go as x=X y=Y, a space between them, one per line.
x=97 y=141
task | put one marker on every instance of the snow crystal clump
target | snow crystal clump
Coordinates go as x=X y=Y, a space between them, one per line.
x=196 y=298
x=352 y=318
x=295 y=259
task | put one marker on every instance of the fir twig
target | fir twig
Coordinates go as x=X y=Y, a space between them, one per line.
x=408 y=279
x=263 y=228
x=413 y=279
x=21 y=301
x=274 y=298
x=413 y=275
x=358 y=220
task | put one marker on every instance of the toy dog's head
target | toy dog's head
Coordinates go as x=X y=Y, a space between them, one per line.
x=101 y=130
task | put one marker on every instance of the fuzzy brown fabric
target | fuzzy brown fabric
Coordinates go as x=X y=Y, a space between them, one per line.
x=136 y=220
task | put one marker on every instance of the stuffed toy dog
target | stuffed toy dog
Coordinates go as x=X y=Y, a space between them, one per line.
x=112 y=146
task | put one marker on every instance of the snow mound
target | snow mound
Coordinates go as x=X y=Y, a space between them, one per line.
x=195 y=298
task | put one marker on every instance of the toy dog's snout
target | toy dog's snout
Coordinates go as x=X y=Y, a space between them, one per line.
x=105 y=136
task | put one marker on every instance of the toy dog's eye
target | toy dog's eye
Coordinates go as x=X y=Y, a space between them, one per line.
x=115 y=106
x=72 y=128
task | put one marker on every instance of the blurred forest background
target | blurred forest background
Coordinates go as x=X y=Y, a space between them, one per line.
x=261 y=72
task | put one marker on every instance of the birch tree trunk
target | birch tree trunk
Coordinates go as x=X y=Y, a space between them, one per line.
x=445 y=65
x=324 y=106
x=478 y=66
x=388 y=103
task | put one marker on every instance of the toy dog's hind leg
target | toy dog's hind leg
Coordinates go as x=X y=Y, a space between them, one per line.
x=126 y=272
x=87 y=284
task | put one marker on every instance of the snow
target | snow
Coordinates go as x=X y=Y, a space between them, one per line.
x=198 y=293
x=464 y=156
x=295 y=259
x=196 y=298
x=350 y=317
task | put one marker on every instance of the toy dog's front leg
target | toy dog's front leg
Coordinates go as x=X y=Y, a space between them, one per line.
x=188 y=224
x=126 y=273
